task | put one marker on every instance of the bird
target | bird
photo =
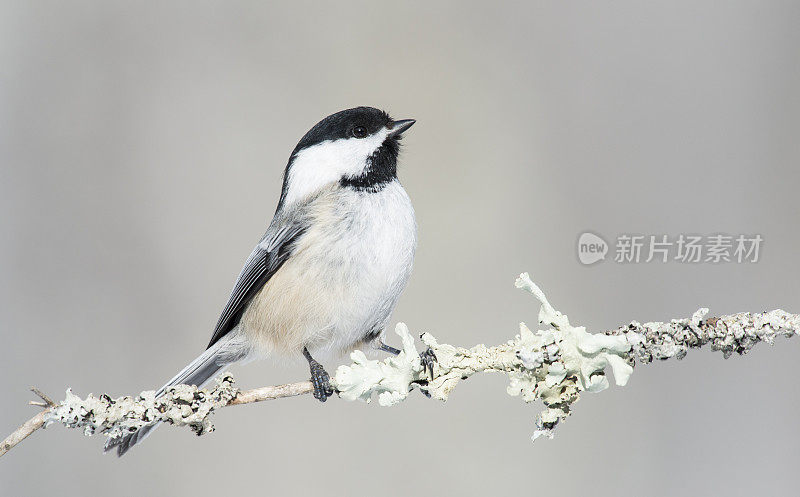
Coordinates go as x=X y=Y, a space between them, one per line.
x=327 y=274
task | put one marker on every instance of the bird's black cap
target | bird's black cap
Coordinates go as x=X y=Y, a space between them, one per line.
x=344 y=124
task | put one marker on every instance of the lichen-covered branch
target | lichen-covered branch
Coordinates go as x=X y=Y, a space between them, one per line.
x=728 y=334
x=182 y=405
x=554 y=364
x=557 y=362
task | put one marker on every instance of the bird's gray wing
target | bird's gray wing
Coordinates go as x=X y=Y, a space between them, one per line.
x=274 y=249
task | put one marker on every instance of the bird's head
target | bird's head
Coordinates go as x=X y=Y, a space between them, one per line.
x=356 y=148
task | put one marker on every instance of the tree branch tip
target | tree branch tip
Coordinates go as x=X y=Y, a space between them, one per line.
x=48 y=401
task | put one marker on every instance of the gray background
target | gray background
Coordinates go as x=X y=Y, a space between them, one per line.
x=141 y=154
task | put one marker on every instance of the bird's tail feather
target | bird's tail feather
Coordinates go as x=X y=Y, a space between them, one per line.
x=230 y=349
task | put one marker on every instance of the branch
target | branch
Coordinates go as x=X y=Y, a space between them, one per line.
x=553 y=364
x=182 y=405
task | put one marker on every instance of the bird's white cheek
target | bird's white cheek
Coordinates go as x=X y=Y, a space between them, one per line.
x=327 y=162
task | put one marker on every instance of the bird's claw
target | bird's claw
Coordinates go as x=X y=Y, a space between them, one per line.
x=428 y=359
x=321 y=381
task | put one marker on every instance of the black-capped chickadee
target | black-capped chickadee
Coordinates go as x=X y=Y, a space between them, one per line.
x=327 y=274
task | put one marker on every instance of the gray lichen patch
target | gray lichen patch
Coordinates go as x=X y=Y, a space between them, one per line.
x=736 y=333
x=182 y=405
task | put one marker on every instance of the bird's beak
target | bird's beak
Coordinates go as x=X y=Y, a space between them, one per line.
x=396 y=128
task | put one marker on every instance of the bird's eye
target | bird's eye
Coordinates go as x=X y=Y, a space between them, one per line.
x=359 y=131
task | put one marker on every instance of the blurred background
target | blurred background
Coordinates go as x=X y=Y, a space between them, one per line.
x=141 y=155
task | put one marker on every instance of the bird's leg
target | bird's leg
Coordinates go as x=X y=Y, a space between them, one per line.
x=427 y=357
x=319 y=378
x=387 y=348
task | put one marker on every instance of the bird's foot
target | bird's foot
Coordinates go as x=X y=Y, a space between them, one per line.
x=428 y=358
x=319 y=378
x=321 y=381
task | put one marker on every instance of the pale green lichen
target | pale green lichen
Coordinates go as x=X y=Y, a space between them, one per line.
x=391 y=379
x=562 y=361
x=554 y=364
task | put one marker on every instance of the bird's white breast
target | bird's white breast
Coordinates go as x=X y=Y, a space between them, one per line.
x=344 y=277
